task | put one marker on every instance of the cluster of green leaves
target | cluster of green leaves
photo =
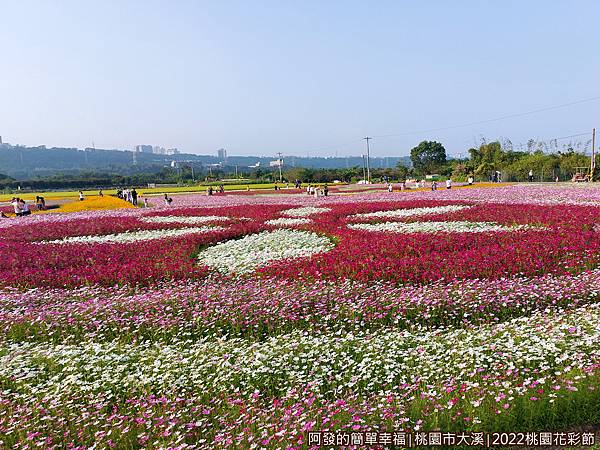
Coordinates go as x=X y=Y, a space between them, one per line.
x=429 y=157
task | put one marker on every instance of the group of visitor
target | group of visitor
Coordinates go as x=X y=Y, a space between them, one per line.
x=129 y=195
x=317 y=191
x=20 y=207
x=448 y=184
x=40 y=203
x=220 y=189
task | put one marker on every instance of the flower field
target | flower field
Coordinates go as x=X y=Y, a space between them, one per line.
x=242 y=321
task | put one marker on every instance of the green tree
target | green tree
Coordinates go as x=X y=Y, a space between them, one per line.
x=428 y=157
x=571 y=160
x=403 y=171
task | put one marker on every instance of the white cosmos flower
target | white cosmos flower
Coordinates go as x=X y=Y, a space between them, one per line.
x=434 y=227
x=304 y=211
x=133 y=236
x=256 y=250
x=411 y=212
x=288 y=222
x=184 y=219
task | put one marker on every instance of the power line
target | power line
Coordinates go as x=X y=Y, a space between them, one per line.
x=569 y=137
x=479 y=122
x=508 y=116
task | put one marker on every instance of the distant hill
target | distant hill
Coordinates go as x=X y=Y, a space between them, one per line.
x=29 y=162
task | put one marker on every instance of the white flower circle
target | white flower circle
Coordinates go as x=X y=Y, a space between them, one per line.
x=256 y=250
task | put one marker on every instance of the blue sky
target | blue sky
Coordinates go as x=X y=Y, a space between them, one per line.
x=300 y=77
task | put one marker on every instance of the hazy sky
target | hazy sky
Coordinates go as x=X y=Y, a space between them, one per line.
x=257 y=77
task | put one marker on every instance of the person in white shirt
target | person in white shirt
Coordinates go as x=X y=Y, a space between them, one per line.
x=81 y=196
x=16 y=206
x=448 y=183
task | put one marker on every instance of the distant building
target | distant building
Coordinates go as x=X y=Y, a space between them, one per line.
x=143 y=148
x=158 y=150
x=222 y=154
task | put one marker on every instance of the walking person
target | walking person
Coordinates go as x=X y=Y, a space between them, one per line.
x=134 y=196
x=100 y=194
x=81 y=197
x=390 y=188
x=530 y=176
x=434 y=185
x=448 y=183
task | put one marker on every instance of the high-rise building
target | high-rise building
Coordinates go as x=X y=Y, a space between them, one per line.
x=171 y=151
x=143 y=148
x=158 y=150
x=222 y=154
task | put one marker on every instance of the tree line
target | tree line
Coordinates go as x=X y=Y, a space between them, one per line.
x=430 y=157
x=427 y=158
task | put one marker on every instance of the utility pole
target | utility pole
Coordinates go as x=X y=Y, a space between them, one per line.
x=364 y=173
x=593 y=158
x=279 y=163
x=368 y=160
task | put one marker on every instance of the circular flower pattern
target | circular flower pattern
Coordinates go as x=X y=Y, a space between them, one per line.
x=252 y=251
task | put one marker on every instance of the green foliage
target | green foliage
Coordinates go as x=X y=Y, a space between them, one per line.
x=403 y=171
x=428 y=157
